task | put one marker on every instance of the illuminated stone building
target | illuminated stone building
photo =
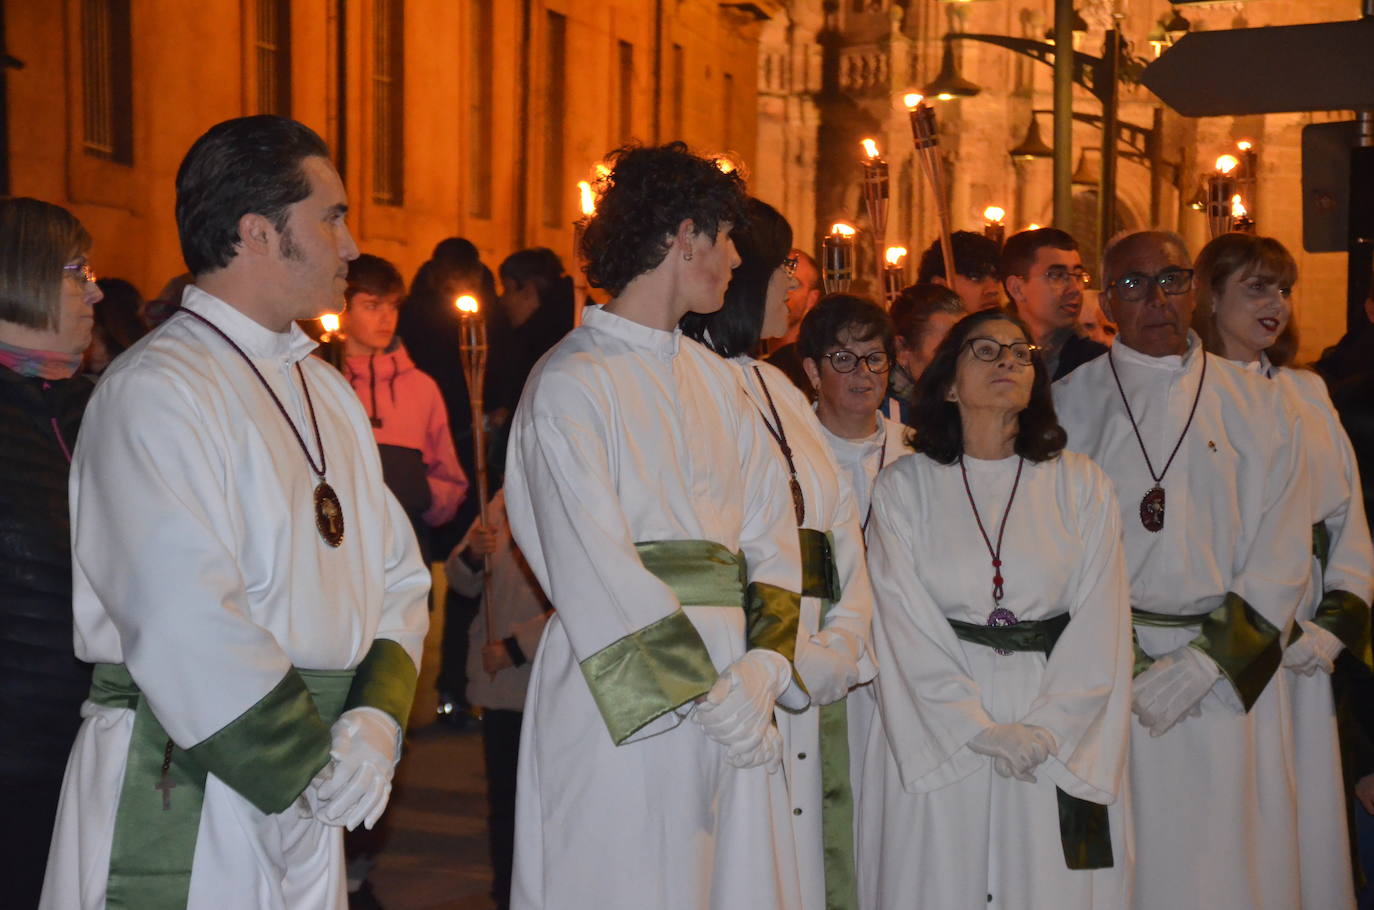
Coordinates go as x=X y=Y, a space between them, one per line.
x=446 y=117
x=834 y=71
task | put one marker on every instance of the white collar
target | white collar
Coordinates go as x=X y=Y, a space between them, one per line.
x=255 y=339
x=1125 y=354
x=656 y=341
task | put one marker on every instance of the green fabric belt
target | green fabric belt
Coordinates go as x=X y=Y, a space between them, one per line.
x=1083 y=830
x=651 y=671
x=820 y=578
x=158 y=817
x=1243 y=643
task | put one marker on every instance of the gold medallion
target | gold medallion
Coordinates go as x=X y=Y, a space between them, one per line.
x=329 y=514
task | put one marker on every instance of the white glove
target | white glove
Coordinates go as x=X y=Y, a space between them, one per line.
x=827 y=665
x=1016 y=749
x=309 y=801
x=738 y=711
x=1173 y=686
x=365 y=750
x=1316 y=650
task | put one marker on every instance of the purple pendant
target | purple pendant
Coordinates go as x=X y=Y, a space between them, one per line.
x=1152 y=509
x=1002 y=617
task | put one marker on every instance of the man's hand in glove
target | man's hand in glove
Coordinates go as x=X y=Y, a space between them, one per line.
x=1316 y=650
x=1016 y=749
x=828 y=665
x=366 y=746
x=1173 y=686
x=738 y=711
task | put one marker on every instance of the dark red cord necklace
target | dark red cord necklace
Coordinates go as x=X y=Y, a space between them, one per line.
x=1000 y=615
x=1152 y=503
x=329 y=520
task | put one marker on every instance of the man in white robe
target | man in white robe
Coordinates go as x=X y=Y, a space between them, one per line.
x=255 y=644
x=635 y=478
x=1213 y=590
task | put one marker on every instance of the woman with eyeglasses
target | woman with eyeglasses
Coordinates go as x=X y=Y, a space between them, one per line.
x=833 y=629
x=47 y=296
x=1001 y=626
x=1245 y=314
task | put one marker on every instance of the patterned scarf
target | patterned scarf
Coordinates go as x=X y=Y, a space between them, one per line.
x=39 y=364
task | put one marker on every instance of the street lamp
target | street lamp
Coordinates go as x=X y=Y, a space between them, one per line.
x=949 y=83
x=1033 y=146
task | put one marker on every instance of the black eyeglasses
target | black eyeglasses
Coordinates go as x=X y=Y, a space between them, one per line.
x=789 y=265
x=1135 y=287
x=81 y=271
x=1059 y=277
x=846 y=361
x=990 y=350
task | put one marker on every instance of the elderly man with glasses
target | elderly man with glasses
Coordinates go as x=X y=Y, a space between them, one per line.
x=1213 y=500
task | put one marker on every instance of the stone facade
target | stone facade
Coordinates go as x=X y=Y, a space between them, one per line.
x=843 y=65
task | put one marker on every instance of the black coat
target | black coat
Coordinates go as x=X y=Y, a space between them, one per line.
x=41 y=682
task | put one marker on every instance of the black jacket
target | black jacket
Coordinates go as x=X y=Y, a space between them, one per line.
x=42 y=684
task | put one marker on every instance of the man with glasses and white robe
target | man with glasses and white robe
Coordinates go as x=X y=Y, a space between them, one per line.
x=1217 y=567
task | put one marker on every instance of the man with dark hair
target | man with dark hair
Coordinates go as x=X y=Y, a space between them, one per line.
x=800 y=300
x=1217 y=570
x=975 y=270
x=1044 y=276
x=250 y=593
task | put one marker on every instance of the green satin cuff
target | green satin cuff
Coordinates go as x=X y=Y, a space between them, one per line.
x=702 y=573
x=648 y=673
x=385 y=680
x=820 y=577
x=1244 y=645
x=1084 y=835
x=771 y=616
x=1347 y=617
x=157 y=820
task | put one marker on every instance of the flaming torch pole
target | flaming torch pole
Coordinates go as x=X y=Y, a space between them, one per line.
x=1221 y=190
x=588 y=202
x=994 y=224
x=876 y=191
x=926 y=136
x=837 y=255
x=894 y=273
x=472 y=351
x=330 y=340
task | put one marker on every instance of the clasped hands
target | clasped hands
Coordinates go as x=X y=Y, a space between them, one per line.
x=1016 y=750
x=355 y=786
x=1172 y=687
x=738 y=711
x=1316 y=650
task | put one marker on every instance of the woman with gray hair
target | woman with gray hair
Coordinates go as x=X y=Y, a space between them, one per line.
x=47 y=295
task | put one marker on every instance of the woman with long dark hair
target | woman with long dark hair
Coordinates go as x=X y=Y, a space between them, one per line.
x=994 y=773
x=643 y=491
x=833 y=632
x=1245 y=314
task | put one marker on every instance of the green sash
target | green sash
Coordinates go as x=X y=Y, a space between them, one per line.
x=158 y=817
x=1243 y=643
x=821 y=578
x=1083 y=831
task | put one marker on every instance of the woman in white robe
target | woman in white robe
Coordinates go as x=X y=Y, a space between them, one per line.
x=1244 y=313
x=833 y=630
x=977 y=749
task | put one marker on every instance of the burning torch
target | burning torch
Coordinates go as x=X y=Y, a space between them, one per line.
x=876 y=191
x=925 y=134
x=837 y=254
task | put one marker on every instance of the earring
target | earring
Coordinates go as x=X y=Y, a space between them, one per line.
x=687 y=256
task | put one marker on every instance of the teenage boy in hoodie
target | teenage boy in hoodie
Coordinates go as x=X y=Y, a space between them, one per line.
x=407 y=412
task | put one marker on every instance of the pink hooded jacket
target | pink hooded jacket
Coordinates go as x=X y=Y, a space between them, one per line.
x=408 y=411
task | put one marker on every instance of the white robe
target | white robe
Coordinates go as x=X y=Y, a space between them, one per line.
x=830 y=507
x=1214 y=799
x=625 y=433
x=938 y=828
x=1323 y=833
x=196 y=563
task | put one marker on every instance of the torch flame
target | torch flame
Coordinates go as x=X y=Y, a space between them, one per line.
x=330 y=322
x=1033 y=226
x=725 y=164
x=588 y=198
x=601 y=170
x=1245 y=145
x=1237 y=207
x=466 y=304
x=994 y=214
x=844 y=230
x=870 y=148
x=912 y=100
x=1227 y=163
x=895 y=255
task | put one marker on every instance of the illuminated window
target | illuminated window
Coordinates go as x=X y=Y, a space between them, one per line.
x=107 y=80
x=388 y=102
